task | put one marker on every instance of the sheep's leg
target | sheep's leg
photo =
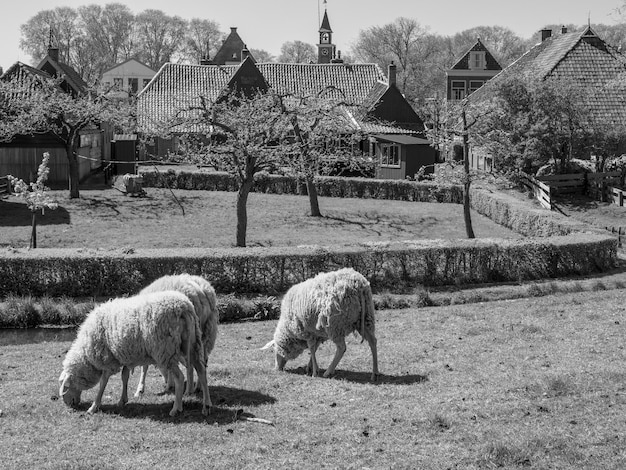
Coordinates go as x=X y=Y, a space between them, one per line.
x=371 y=339
x=95 y=406
x=341 y=349
x=203 y=383
x=124 y=397
x=179 y=384
x=313 y=368
x=142 y=382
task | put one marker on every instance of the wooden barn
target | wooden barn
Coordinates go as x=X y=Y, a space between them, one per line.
x=22 y=155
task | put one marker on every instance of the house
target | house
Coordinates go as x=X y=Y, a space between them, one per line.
x=471 y=71
x=395 y=131
x=576 y=57
x=232 y=52
x=127 y=78
x=22 y=155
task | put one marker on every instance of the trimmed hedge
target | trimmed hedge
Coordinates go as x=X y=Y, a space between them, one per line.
x=85 y=273
x=327 y=186
x=563 y=248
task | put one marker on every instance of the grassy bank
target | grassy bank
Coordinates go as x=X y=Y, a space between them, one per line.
x=531 y=383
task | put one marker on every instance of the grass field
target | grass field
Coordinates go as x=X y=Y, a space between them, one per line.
x=106 y=218
x=531 y=383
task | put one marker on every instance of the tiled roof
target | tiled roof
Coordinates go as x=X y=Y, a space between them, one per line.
x=230 y=50
x=355 y=81
x=580 y=57
x=179 y=86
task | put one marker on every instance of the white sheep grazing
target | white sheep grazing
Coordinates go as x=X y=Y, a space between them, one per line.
x=329 y=306
x=202 y=295
x=159 y=328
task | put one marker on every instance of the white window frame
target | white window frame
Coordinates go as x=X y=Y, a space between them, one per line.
x=477 y=60
x=474 y=85
x=390 y=155
x=458 y=90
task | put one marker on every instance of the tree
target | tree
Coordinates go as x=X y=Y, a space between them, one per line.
x=297 y=52
x=35 y=194
x=261 y=55
x=323 y=137
x=406 y=43
x=242 y=136
x=62 y=21
x=202 y=40
x=159 y=37
x=106 y=38
x=536 y=122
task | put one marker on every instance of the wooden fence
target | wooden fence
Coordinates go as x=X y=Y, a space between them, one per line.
x=541 y=190
x=600 y=186
x=5 y=187
x=616 y=196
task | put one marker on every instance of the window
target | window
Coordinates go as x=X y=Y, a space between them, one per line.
x=145 y=82
x=390 y=155
x=118 y=83
x=133 y=84
x=477 y=60
x=474 y=85
x=458 y=90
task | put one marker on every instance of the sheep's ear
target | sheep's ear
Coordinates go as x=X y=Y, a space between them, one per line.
x=268 y=345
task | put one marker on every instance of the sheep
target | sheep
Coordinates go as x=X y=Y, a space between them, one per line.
x=204 y=300
x=329 y=306
x=158 y=328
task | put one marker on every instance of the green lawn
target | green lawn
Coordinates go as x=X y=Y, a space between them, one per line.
x=528 y=383
x=106 y=218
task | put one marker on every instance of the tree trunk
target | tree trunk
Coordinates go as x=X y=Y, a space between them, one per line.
x=313 y=201
x=467 y=216
x=242 y=210
x=74 y=174
x=33 y=234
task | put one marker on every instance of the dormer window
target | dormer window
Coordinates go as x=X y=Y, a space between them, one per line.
x=477 y=60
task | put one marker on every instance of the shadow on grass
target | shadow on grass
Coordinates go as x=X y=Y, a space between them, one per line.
x=16 y=214
x=221 y=413
x=364 y=377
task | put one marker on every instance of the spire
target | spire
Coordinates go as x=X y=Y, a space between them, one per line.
x=325 y=27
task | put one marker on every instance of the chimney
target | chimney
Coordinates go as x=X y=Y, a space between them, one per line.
x=338 y=59
x=391 y=74
x=53 y=52
x=545 y=34
x=245 y=53
x=233 y=29
x=563 y=29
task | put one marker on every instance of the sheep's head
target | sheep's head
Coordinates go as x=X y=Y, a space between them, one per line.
x=286 y=351
x=69 y=393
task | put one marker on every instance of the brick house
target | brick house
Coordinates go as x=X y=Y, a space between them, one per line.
x=471 y=71
x=395 y=131
x=576 y=57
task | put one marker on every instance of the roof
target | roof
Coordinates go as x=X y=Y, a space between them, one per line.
x=578 y=57
x=463 y=62
x=230 y=50
x=58 y=69
x=403 y=139
x=325 y=27
x=126 y=62
x=180 y=86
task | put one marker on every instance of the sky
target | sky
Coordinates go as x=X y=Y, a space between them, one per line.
x=268 y=24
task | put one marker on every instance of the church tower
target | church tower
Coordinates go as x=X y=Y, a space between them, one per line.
x=325 y=48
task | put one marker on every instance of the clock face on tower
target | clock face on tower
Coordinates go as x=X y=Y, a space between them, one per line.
x=325 y=51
